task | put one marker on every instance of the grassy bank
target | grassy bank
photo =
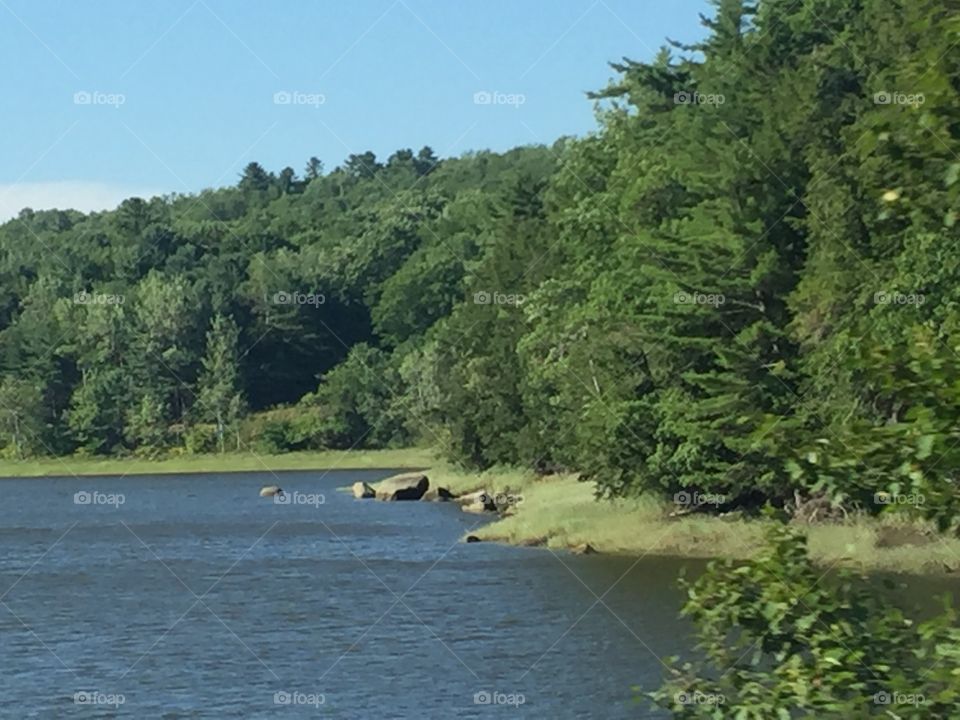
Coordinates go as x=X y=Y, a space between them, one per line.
x=560 y=512
x=229 y=462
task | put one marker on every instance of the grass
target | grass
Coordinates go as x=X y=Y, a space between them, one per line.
x=561 y=512
x=229 y=462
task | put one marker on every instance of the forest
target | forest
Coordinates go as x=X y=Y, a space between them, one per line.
x=743 y=284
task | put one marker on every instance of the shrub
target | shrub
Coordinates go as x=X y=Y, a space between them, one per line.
x=781 y=641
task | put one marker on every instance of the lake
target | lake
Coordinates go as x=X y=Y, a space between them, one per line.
x=192 y=597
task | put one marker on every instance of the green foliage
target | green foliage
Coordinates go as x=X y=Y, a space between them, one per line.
x=744 y=283
x=21 y=419
x=201 y=438
x=359 y=404
x=220 y=399
x=779 y=639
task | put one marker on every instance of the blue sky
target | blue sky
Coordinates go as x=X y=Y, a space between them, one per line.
x=104 y=100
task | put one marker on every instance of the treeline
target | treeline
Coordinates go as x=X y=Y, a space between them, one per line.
x=742 y=286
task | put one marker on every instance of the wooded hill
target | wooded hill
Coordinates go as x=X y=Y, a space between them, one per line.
x=744 y=284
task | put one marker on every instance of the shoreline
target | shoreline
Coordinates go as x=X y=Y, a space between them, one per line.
x=561 y=513
x=72 y=466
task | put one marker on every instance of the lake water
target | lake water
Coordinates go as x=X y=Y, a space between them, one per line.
x=196 y=598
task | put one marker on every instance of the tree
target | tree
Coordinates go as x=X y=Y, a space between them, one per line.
x=219 y=397
x=314 y=168
x=21 y=418
x=255 y=179
x=426 y=161
x=363 y=165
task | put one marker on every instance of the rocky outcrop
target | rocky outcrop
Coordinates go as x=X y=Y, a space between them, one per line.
x=362 y=490
x=407 y=486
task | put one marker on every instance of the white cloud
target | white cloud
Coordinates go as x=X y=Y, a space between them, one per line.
x=67 y=194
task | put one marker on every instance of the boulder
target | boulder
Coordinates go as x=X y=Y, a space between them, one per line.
x=583 y=549
x=362 y=490
x=477 y=502
x=472 y=539
x=407 y=486
x=438 y=494
x=271 y=490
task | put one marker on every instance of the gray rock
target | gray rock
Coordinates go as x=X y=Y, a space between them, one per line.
x=438 y=494
x=406 y=486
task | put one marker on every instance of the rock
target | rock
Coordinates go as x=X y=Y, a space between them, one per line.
x=407 y=486
x=477 y=502
x=472 y=539
x=271 y=490
x=362 y=490
x=584 y=549
x=471 y=497
x=477 y=507
x=439 y=494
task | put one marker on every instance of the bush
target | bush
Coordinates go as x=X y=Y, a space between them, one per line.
x=201 y=438
x=780 y=641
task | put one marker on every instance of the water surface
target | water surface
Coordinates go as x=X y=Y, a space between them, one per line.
x=196 y=598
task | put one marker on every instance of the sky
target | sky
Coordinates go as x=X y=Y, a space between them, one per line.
x=106 y=100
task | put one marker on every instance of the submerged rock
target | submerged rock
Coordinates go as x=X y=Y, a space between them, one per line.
x=407 y=486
